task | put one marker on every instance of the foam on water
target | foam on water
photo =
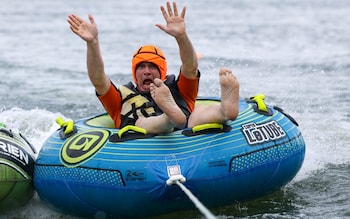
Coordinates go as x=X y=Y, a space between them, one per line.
x=36 y=124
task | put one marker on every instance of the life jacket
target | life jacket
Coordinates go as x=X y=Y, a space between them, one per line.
x=136 y=103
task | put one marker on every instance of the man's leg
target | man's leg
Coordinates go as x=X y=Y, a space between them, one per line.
x=172 y=116
x=226 y=110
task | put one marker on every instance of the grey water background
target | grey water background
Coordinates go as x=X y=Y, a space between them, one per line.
x=296 y=52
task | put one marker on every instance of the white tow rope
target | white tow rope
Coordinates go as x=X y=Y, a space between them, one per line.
x=178 y=180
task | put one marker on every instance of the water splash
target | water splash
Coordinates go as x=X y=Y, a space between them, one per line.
x=36 y=124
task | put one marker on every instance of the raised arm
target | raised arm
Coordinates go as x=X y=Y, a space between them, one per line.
x=175 y=26
x=89 y=33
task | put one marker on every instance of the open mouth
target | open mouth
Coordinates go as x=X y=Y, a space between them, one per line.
x=147 y=82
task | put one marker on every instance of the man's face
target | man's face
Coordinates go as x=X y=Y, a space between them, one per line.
x=146 y=72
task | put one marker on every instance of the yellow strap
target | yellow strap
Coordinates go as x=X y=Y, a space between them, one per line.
x=131 y=128
x=259 y=99
x=69 y=125
x=199 y=128
x=60 y=121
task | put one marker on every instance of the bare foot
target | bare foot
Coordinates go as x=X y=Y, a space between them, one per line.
x=163 y=98
x=229 y=93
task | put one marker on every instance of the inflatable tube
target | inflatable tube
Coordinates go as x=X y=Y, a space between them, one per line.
x=16 y=170
x=89 y=168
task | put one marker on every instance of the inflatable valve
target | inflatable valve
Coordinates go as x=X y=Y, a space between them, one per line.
x=259 y=99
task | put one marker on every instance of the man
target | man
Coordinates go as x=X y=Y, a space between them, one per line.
x=151 y=104
x=145 y=70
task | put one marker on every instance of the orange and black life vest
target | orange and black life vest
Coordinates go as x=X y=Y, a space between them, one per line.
x=136 y=103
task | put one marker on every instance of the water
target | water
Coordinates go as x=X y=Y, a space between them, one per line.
x=296 y=52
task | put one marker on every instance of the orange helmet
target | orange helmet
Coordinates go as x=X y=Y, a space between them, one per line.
x=149 y=53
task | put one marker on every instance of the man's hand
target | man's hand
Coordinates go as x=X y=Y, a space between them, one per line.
x=175 y=24
x=87 y=31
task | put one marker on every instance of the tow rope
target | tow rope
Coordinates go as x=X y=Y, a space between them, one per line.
x=179 y=179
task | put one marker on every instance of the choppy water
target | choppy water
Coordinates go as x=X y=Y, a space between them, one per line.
x=296 y=52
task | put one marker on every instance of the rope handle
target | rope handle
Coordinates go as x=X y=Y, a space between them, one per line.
x=131 y=128
x=179 y=180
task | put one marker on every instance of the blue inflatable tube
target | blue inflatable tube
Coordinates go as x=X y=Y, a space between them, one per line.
x=90 y=168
